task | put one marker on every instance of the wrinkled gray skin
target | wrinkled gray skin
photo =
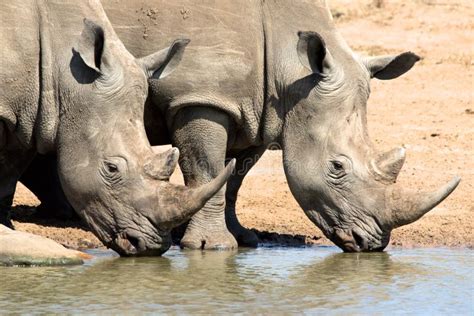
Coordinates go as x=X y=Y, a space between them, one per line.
x=250 y=80
x=71 y=88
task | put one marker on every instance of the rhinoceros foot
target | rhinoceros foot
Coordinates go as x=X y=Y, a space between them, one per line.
x=25 y=249
x=208 y=238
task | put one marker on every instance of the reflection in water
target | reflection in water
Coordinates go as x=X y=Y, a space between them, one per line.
x=353 y=279
x=261 y=280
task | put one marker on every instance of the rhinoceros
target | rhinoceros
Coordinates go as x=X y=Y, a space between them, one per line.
x=69 y=87
x=274 y=72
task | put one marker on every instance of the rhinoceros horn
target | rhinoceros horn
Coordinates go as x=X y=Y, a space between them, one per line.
x=177 y=203
x=389 y=164
x=406 y=206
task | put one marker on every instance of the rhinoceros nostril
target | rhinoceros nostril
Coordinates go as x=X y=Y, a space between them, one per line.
x=136 y=241
x=126 y=246
x=345 y=240
x=360 y=241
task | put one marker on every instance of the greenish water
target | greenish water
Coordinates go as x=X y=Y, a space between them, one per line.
x=267 y=280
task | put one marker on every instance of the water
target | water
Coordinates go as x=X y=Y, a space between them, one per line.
x=265 y=280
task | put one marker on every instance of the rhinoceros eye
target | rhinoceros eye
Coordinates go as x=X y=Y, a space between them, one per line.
x=111 y=167
x=112 y=170
x=336 y=169
x=337 y=165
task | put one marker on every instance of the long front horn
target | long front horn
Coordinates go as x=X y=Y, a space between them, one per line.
x=389 y=164
x=177 y=203
x=406 y=206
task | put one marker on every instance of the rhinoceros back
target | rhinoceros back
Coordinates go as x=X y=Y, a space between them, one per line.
x=223 y=64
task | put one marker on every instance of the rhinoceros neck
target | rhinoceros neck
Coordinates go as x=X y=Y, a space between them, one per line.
x=282 y=21
x=64 y=104
x=60 y=24
x=47 y=118
x=38 y=49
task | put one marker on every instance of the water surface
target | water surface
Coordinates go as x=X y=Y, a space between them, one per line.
x=269 y=280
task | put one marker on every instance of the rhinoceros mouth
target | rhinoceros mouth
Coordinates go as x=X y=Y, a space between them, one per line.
x=365 y=244
x=345 y=240
x=132 y=243
x=354 y=240
x=361 y=243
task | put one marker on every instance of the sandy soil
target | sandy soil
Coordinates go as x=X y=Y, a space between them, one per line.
x=429 y=111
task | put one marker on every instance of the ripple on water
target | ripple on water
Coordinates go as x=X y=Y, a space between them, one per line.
x=263 y=280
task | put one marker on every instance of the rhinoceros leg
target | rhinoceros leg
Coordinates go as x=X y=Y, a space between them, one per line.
x=41 y=178
x=5 y=209
x=201 y=135
x=14 y=158
x=246 y=159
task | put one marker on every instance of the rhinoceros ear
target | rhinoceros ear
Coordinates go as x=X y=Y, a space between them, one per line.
x=165 y=61
x=390 y=67
x=91 y=45
x=313 y=53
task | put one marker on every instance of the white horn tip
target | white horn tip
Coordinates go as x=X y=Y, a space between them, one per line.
x=450 y=187
x=454 y=182
x=229 y=169
x=402 y=151
x=174 y=151
x=232 y=163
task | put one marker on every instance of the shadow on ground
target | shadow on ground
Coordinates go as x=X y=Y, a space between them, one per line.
x=34 y=215
x=273 y=238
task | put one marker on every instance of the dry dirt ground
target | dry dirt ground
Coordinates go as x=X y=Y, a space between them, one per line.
x=429 y=111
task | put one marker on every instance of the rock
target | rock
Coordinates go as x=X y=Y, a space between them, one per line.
x=25 y=249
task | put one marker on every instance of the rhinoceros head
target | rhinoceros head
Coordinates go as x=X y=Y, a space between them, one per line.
x=344 y=185
x=109 y=172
